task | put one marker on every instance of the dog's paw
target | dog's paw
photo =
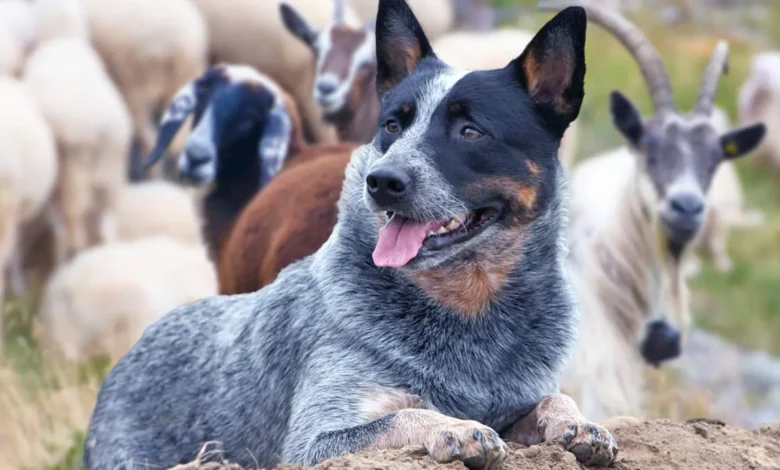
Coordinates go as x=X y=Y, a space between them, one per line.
x=475 y=444
x=591 y=443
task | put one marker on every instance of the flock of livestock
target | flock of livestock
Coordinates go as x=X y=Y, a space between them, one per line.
x=265 y=102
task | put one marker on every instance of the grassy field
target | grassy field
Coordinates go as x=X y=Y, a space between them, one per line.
x=51 y=404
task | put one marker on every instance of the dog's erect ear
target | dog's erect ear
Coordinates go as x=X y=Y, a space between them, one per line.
x=298 y=26
x=400 y=43
x=626 y=118
x=742 y=141
x=552 y=68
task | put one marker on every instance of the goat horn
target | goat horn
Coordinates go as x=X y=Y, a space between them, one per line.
x=338 y=11
x=632 y=39
x=709 y=84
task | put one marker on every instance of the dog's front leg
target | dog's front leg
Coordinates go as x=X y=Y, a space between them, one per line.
x=446 y=439
x=557 y=419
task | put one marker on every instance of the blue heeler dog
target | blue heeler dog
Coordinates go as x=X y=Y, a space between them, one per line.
x=437 y=314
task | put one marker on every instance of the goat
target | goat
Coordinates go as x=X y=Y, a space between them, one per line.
x=345 y=71
x=245 y=130
x=628 y=233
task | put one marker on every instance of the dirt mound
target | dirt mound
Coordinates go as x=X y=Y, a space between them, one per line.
x=656 y=445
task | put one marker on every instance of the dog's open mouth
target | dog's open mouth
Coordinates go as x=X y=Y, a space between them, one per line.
x=401 y=238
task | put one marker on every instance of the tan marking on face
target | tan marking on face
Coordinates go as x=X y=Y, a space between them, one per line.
x=469 y=286
x=406 y=108
x=522 y=194
x=533 y=167
x=379 y=401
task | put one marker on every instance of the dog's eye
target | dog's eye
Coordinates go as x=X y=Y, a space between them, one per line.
x=470 y=133
x=393 y=127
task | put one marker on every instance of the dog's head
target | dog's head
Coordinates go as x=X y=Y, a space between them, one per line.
x=464 y=162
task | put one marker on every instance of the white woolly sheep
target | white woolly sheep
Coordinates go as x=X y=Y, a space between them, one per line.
x=100 y=302
x=17 y=35
x=435 y=16
x=251 y=32
x=633 y=212
x=28 y=171
x=495 y=49
x=759 y=101
x=155 y=208
x=151 y=48
x=59 y=19
x=92 y=129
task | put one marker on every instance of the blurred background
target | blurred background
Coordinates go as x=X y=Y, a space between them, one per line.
x=730 y=367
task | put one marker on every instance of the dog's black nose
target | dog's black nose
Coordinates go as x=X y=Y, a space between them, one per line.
x=326 y=88
x=387 y=184
x=687 y=205
x=661 y=343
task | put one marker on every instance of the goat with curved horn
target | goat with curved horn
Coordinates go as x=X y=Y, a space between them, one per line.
x=709 y=85
x=635 y=41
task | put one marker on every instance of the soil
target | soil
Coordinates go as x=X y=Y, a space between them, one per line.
x=656 y=445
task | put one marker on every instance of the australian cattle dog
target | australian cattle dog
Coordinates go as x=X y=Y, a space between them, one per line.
x=438 y=313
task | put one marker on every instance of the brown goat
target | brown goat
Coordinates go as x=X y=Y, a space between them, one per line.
x=284 y=223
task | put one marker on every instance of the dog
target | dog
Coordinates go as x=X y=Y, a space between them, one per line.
x=438 y=313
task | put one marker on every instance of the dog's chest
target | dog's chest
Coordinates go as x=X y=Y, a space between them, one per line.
x=497 y=403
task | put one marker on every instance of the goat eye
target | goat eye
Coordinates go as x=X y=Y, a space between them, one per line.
x=393 y=127
x=470 y=133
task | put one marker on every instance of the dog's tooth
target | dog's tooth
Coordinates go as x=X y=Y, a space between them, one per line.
x=454 y=223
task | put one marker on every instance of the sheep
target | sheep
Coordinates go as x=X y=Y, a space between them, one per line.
x=17 y=35
x=759 y=101
x=245 y=131
x=436 y=17
x=99 y=303
x=495 y=49
x=345 y=71
x=28 y=171
x=151 y=48
x=59 y=19
x=152 y=208
x=725 y=210
x=631 y=225
x=92 y=130
x=251 y=32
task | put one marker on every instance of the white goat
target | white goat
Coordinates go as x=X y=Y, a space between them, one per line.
x=629 y=231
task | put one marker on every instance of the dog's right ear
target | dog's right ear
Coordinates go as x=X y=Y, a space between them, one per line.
x=298 y=26
x=400 y=44
x=552 y=68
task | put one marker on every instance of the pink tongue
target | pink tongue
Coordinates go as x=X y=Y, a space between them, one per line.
x=399 y=241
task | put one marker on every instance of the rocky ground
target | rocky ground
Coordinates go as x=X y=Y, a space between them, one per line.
x=742 y=387
x=656 y=445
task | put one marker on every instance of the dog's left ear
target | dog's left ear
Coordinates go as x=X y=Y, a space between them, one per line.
x=400 y=43
x=552 y=68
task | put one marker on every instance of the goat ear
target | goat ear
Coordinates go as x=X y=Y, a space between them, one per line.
x=298 y=26
x=552 y=68
x=400 y=43
x=274 y=143
x=626 y=118
x=742 y=141
x=182 y=105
